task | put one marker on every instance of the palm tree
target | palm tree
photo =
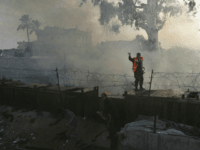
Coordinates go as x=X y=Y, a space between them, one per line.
x=35 y=25
x=25 y=24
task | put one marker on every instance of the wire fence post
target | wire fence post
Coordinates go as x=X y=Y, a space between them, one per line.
x=97 y=91
x=198 y=119
x=59 y=87
x=36 y=96
x=13 y=103
x=150 y=83
x=154 y=117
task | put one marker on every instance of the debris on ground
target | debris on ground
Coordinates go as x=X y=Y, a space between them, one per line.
x=146 y=123
x=24 y=128
x=143 y=128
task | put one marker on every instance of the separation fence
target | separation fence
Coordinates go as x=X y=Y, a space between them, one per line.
x=114 y=84
x=73 y=89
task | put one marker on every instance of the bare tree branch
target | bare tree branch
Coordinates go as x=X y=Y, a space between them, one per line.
x=160 y=5
x=143 y=26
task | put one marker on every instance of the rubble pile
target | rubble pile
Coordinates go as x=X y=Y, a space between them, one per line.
x=187 y=130
x=147 y=124
x=140 y=133
x=168 y=125
x=29 y=128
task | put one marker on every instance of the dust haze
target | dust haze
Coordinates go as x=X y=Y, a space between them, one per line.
x=179 y=37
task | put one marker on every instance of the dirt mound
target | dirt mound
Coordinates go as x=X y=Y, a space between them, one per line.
x=20 y=128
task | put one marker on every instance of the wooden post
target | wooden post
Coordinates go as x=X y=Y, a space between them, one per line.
x=36 y=98
x=59 y=88
x=125 y=93
x=13 y=103
x=198 y=120
x=97 y=91
x=155 y=118
x=150 y=83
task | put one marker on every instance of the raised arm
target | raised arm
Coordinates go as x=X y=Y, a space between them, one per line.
x=131 y=59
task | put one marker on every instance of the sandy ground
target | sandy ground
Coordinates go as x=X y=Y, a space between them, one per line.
x=20 y=128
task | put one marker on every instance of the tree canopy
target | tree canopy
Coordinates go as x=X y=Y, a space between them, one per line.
x=35 y=24
x=133 y=12
x=151 y=16
x=25 y=24
x=28 y=24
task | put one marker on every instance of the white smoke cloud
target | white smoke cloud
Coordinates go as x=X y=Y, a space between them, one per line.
x=177 y=32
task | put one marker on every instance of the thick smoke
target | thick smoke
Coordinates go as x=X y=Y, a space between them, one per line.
x=60 y=13
x=179 y=37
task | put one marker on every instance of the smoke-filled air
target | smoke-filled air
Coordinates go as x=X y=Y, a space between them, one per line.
x=165 y=32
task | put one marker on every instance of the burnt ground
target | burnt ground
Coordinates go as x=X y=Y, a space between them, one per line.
x=29 y=129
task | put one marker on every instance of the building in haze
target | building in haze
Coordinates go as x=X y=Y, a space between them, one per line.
x=55 y=41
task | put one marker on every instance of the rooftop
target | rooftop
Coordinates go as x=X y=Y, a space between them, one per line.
x=57 y=30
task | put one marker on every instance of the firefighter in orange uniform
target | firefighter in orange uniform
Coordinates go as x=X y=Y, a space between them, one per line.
x=138 y=70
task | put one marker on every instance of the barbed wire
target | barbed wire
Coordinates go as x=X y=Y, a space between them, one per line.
x=178 y=80
x=114 y=84
x=29 y=75
x=111 y=83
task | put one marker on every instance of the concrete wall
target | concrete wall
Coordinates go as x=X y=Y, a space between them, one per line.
x=82 y=104
x=6 y=95
x=40 y=70
x=141 y=140
x=31 y=63
x=173 y=109
x=120 y=105
x=23 y=45
x=8 y=52
x=86 y=104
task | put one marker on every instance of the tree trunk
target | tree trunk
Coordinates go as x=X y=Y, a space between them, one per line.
x=153 y=40
x=28 y=34
x=152 y=31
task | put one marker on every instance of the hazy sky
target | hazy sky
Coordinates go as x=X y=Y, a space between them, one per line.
x=67 y=13
x=181 y=31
